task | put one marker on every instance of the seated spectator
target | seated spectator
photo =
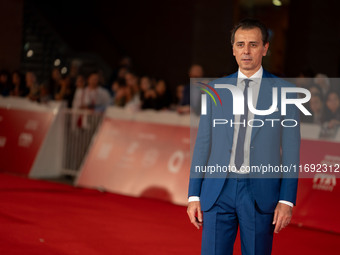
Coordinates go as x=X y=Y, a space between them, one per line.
x=5 y=83
x=96 y=97
x=19 y=88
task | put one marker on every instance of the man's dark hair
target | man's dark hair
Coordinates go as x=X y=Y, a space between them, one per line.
x=249 y=23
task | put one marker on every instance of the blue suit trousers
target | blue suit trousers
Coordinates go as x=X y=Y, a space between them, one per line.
x=236 y=209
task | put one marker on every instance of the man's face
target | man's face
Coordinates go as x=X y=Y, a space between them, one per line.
x=333 y=102
x=315 y=104
x=131 y=80
x=248 y=50
x=93 y=80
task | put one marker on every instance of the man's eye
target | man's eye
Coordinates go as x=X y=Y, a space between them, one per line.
x=253 y=45
x=239 y=44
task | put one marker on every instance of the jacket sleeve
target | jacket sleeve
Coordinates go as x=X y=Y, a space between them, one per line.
x=201 y=151
x=290 y=145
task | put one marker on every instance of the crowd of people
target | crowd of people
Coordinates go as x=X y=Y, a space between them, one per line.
x=324 y=104
x=134 y=92
x=80 y=91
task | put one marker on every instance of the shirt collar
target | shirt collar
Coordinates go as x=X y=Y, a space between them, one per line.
x=257 y=75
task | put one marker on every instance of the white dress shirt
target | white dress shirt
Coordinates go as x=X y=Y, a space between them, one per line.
x=78 y=99
x=98 y=97
x=254 y=85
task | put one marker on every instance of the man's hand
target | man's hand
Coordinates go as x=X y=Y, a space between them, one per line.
x=282 y=216
x=195 y=213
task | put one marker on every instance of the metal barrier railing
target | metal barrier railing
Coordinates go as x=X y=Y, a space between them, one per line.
x=79 y=128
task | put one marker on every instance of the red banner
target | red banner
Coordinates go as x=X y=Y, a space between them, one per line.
x=21 y=135
x=147 y=159
x=139 y=159
x=319 y=195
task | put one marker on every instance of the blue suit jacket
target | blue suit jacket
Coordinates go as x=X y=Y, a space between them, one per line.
x=273 y=146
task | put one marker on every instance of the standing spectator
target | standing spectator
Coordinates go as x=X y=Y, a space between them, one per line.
x=163 y=98
x=5 y=83
x=19 y=88
x=316 y=106
x=74 y=71
x=132 y=81
x=179 y=93
x=147 y=93
x=32 y=86
x=178 y=97
x=323 y=81
x=44 y=94
x=315 y=90
x=119 y=91
x=54 y=84
x=72 y=76
x=124 y=65
x=79 y=96
x=332 y=111
x=122 y=72
x=304 y=79
x=195 y=71
x=78 y=119
x=96 y=97
x=65 y=92
x=133 y=90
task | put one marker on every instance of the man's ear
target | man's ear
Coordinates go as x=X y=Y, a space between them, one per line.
x=266 y=46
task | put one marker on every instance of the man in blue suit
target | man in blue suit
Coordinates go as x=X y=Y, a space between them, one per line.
x=258 y=203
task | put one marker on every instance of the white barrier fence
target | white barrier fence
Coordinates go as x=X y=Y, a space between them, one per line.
x=78 y=130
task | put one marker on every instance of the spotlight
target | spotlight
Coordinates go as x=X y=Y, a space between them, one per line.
x=57 y=62
x=63 y=70
x=29 y=53
x=277 y=2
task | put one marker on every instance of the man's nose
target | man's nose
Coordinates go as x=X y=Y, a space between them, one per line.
x=246 y=49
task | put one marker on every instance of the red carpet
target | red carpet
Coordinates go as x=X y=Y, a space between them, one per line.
x=38 y=217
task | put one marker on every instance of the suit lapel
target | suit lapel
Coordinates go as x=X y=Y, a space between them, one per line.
x=264 y=100
x=232 y=79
